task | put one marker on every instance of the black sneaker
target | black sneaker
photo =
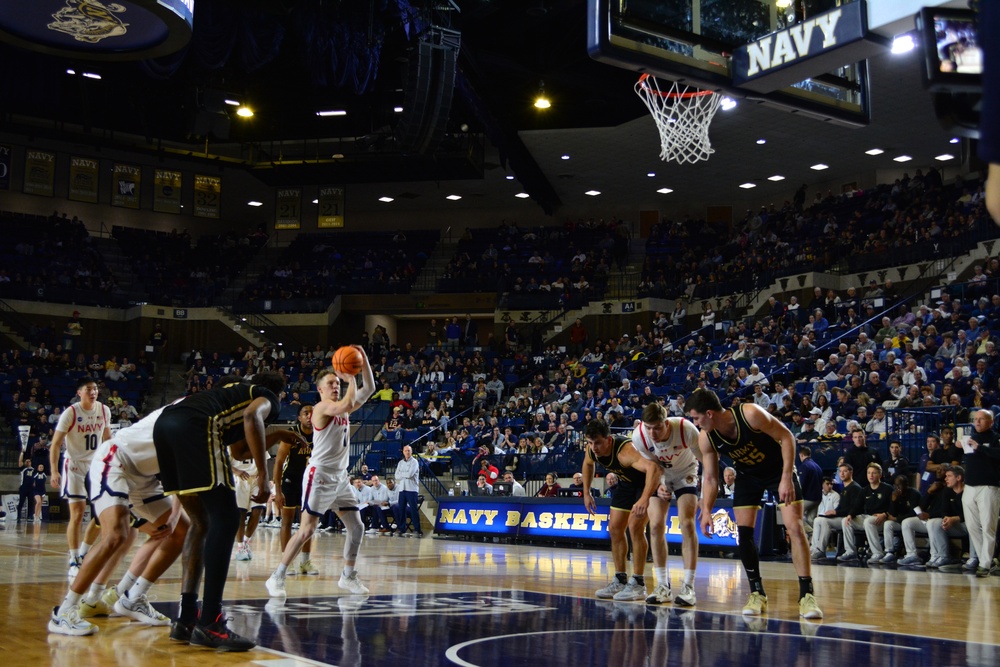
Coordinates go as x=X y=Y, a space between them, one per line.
x=218 y=636
x=181 y=632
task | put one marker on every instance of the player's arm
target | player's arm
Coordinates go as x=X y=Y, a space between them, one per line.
x=766 y=422
x=588 y=476
x=106 y=435
x=255 y=434
x=368 y=381
x=631 y=458
x=55 y=474
x=284 y=449
x=342 y=407
x=692 y=435
x=709 y=481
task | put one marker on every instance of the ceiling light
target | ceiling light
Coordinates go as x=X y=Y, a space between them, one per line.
x=903 y=43
x=453 y=197
x=776 y=178
x=592 y=193
x=315 y=201
x=91 y=75
x=944 y=157
x=727 y=103
x=337 y=156
x=819 y=167
x=509 y=177
x=651 y=174
x=331 y=112
x=954 y=140
x=565 y=157
x=664 y=191
x=387 y=199
x=254 y=203
x=232 y=103
x=902 y=158
x=522 y=195
x=244 y=112
x=782 y=4
x=748 y=186
x=541 y=99
x=71 y=71
x=874 y=151
x=397 y=109
x=761 y=141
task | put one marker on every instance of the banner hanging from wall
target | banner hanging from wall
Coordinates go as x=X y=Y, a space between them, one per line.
x=167 y=191
x=288 y=208
x=83 y=179
x=5 y=156
x=39 y=172
x=331 y=207
x=207 y=196
x=125 y=186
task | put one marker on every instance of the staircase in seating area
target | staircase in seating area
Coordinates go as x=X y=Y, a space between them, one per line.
x=444 y=251
x=250 y=274
x=120 y=267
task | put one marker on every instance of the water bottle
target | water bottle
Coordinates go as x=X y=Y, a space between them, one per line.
x=451 y=492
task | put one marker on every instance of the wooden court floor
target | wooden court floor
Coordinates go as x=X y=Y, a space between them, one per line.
x=531 y=590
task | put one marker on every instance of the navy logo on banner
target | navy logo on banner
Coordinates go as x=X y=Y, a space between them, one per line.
x=89 y=21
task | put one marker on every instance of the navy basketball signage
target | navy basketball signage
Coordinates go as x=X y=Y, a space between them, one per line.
x=4 y=167
x=83 y=177
x=820 y=44
x=39 y=172
x=167 y=191
x=207 y=196
x=288 y=208
x=125 y=185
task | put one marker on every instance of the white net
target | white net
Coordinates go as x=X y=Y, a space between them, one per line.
x=682 y=115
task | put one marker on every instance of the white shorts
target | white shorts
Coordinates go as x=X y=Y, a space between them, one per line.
x=245 y=490
x=74 y=479
x=112 y=485
x=681 y=480
x=322 y=491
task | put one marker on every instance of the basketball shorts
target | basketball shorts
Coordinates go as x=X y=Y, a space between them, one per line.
x=74 y=479
x=681 y=481
x=624 y=496
x=245 y=490
x=292 y=491
x=192 y=457
x=113 y=484
x=323 y=490
x=750 y=489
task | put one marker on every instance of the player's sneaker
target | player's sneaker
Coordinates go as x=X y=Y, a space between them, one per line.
x=888 y=558
x=218 y=636
x=352 y=584
x=74 y=568
x=756 y=605
x=686 y=598
x=848 y=557
x=610 y=590
x=911 y=561
x=808 y=607
x=632 y=592
x=242 y=552
x=307 y=568
x=69 y=623
x=817 y=555
x=139 y=609
x=660 y=595
x=181 y=632
x=247 y=550
x=276 y=586
x=970 y=565
x=103 y=606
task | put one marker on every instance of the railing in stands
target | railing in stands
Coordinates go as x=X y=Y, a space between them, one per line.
x=266 y=329
x=18 y=324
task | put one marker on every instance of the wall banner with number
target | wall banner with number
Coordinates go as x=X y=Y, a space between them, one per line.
x=331 y=207
x=39 y=172
x=167 y=191
x=125 y=186
x=5 y=155
x=83 y=179
x=288 y=208
x=207 y=196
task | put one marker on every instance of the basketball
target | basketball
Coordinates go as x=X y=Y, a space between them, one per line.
x=347 y=360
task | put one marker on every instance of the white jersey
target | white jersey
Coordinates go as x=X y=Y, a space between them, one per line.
x=137 y=442
x=249 y=467
x=84 y=430
x=677 y=452
x=331 y=445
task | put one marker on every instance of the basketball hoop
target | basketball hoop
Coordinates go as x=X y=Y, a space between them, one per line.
x=682 y=115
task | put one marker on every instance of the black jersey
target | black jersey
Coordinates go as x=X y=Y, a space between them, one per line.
x=753 y=452
x=612 y=464
x=298 y=457
x=223 y=408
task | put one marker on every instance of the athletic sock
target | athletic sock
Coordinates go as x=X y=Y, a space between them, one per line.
x=621 y=577
x=805 y=586
x=662 y=576
x=84 y=548
x=141 y=587
x=748 y=556
x=305 y=557
x=639 y=579
x=689 y=578
x=74 y=555
x=280 y=572
x=94 y=594
x=189 y=608
x=71 y=600
x=126 y=583
x=348 y=571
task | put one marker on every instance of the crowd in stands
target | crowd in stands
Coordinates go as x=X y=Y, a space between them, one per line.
x=914 y=218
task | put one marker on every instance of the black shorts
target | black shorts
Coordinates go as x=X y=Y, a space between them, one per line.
x=624 y=496
x=750 y=489
x=190 y=458
x=292 y=491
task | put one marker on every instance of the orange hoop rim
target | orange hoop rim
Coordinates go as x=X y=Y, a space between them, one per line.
x=671 y=95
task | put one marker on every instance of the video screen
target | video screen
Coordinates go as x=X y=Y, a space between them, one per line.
x=957 y=46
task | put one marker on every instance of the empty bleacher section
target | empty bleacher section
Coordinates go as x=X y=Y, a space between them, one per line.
x=176 y=271
x=315 y=268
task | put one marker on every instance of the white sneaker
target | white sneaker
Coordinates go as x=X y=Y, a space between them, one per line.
x=307 y=568
x=686 y=598
x=140 y=610
x=352 y=584
x=276 y=586
x=70 y=623
x=610 y=590
x=632 y=592
x=247 y=550
x=242 y=552
x=103 y=606
x=74 y=568
x=660 y=595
